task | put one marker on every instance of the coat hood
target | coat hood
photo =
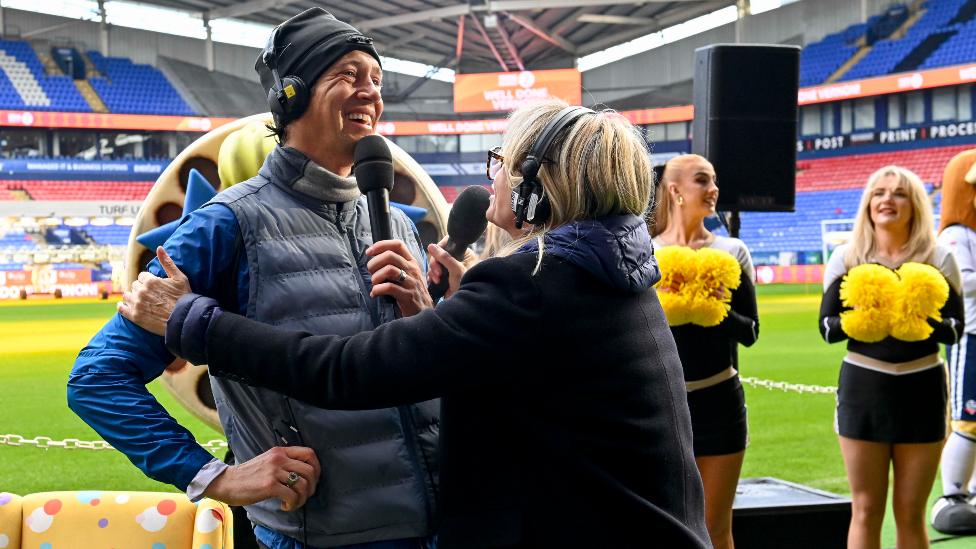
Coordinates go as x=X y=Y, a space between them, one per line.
x=616 y=249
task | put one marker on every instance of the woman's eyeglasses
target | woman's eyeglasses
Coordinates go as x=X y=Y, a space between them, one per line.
x=494 y=165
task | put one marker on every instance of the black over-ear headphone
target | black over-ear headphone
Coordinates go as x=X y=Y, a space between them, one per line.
x=288 y=97
x=529 y=201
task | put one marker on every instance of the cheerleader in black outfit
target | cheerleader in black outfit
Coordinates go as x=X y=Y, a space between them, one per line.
x=687 y=194
x=891 y=396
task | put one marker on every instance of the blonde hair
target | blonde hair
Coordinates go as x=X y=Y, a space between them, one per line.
x=598 y=166
x=673 y=170
x=921 y=233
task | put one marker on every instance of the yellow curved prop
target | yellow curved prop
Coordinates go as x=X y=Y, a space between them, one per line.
x=244 y=155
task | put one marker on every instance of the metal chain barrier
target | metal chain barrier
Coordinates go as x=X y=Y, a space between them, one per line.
x=212 y=446
x=788 y=387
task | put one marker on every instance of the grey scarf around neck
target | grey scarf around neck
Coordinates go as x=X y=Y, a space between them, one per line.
x=324 y=185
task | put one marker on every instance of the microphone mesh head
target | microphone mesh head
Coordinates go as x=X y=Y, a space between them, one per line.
x=467 y=220
x=373 y=164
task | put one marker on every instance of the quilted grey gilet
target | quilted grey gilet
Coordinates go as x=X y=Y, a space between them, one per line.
x=308 y=272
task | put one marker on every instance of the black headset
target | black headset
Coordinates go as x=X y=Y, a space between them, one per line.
x=529 y=201
x=288 y=97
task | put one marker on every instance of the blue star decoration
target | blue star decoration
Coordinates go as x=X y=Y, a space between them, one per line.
x=199 y=191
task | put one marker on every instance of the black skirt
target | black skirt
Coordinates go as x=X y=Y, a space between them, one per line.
x=718 y=418
x=896 y=409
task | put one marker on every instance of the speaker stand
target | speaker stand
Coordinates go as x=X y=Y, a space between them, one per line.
x=734 y=224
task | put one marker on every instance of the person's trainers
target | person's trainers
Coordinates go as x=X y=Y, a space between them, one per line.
x=954 y=515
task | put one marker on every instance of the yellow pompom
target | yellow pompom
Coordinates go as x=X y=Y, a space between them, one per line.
x=711 y=312
x=868 y=286
x=243 y=152
x=695 y=285
x=677 y=265
x=868 y=325
x=924 y=291
x=676 y=308
x=718 y=269
x=909 y=328
x=896 y=303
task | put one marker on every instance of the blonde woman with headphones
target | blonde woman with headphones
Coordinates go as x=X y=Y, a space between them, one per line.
x=565 y=421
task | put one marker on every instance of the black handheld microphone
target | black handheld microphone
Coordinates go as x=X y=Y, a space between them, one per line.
x=373 y=168
x=465 y=226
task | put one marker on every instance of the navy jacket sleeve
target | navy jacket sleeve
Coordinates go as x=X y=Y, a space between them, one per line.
x=466 y=341
x=106 y=387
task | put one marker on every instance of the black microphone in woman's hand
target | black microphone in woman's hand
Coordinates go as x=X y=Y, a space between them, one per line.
x=373 y=168
x=465 y=226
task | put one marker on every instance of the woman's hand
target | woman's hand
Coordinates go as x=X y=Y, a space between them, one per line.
x=443 y=261
x=151 y=299
x=396 y=273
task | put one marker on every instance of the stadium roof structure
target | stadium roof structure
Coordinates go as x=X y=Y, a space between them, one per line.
x=480 y=35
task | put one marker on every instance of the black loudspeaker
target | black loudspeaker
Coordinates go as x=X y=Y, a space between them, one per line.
x=745 y=123
x=769 y=513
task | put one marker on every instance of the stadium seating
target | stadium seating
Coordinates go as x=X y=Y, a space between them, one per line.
x=830 y=188
x=17 y=239
x=128 y=87
x=944 y=35
x=79 y=190
x=125 y=87
x=957 y=50
x=800 y=230
x=851 y=172
x=888 y=55
x=820 y=59
x=115 y=235
x=882 y=26
x=63 y=236
x=25 y=85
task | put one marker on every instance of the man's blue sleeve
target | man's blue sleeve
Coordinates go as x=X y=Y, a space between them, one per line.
x=106 y=387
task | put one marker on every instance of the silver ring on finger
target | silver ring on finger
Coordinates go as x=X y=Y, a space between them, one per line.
x=402 y=277
x=293 y=478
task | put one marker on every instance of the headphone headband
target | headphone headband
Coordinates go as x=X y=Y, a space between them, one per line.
x=270 y=56
x=288 y=96
x=562 y=119
x=529 y=201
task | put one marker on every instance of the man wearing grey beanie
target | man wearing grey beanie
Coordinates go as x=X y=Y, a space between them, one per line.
x=287 y=247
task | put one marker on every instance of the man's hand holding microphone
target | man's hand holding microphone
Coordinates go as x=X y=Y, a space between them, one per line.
x=395 y=272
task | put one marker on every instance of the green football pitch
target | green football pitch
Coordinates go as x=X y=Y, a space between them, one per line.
x=791 y=433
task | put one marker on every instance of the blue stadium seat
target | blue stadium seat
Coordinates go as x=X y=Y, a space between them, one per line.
x=938 y=18
x=57 y=93
x=133 y=88
x=959 y=49
x=16 y=239
x=116 y=235
x=800 y=231
x=820 y=59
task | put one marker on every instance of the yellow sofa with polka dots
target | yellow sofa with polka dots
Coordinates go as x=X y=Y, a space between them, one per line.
x=113 y=520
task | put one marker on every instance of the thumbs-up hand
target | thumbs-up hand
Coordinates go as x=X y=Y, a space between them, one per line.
x=151 y=299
